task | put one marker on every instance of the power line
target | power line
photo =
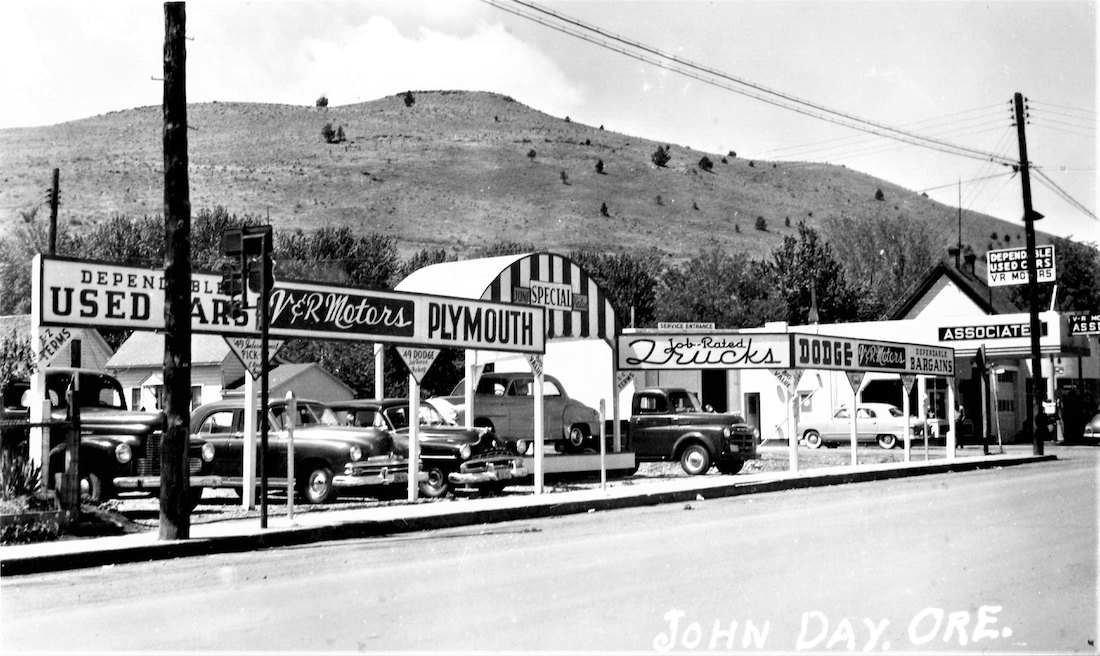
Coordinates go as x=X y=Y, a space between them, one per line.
x=648 y=54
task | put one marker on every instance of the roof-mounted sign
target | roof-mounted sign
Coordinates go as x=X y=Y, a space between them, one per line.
x=706 y=350
x=1008 y=266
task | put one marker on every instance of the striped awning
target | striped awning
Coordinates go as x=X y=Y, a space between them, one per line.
x=576 y=307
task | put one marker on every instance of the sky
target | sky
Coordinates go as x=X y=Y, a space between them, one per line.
x=941 y=69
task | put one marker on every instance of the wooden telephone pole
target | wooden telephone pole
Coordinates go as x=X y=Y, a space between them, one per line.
x=175 y=512
x=1038 y=386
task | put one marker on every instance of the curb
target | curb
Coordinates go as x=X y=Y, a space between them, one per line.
x=367 y=528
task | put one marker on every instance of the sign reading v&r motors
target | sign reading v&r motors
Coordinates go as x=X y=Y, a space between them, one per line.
x=85 y=293
x=1009 y=266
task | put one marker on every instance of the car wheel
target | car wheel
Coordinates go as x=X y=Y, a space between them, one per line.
x=731 y=466
x=577 y=438
x=813 y=439
x=887 y=441
x=317 y=487
x=695 y=459
x=95 y=488
x=437 y=484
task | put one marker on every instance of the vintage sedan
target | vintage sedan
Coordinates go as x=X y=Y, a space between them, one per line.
x=875 y=422
x=450 y=455
x=504 y=403
x=322 y=449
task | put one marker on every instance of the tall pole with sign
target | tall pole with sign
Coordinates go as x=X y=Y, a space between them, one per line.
x=1038 y=389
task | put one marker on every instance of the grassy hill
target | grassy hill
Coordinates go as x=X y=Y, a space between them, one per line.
x=452 y=171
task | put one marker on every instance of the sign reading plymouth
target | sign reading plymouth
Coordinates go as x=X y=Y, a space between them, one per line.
x=75 y=292
x=848 y=354
x=715 y=350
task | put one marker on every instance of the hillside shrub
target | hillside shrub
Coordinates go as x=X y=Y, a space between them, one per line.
x=732 y=154
x=761 y=224
x=599 y=166
x=322 y=101
x=879 y=195
x=603 y=209
x=660 y=157
x=706 y=164
x=531 y=154
x=328 y=133
x=564 y=177
x=409 y=99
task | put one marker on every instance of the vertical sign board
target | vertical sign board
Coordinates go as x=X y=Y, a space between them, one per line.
x=1008 y=266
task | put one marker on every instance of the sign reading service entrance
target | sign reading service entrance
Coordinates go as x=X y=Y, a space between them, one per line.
x=1009 y=266
x=75 y=292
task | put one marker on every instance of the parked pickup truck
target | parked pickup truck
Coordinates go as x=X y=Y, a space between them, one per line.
x=667 y=423
x=119 y=447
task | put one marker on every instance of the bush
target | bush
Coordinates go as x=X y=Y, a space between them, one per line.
x=531 y=154
x=761 y=224
x=879 y=195
x=322 y=101
x=19 y=477
x=660 y=157
x=328 y=133
x=564 y=177
x=706 y=164
x=409 y=99
x=599 y=166
x=603 y=209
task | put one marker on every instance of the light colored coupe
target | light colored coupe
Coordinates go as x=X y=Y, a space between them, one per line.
x=875 y=422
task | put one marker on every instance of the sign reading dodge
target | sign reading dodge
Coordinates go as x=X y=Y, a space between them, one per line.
x=100 y=294
x=1009 y=266
x=848 y=354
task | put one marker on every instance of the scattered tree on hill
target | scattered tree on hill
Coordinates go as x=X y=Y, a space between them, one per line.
x=761 y=224
x=752 y=164
x=660 y=201
x=564 y=177
x=340 y=134
x=787 y=222
x=409 y=99
x=733 y=154
x=737 y=228
x=694 y=205
x=993 y=236
x=660 y=157
x=531 y=154
x=879 y=195
x=706 y=164
x=322 y=101
x=603 y=209
x=328 y=133
x=599 y=166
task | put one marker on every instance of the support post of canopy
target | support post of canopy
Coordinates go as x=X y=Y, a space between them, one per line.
x=248 y=488
x=792 y=428
x=379 y=372
x=414 y=436
x=951 y=404
x=540 y=431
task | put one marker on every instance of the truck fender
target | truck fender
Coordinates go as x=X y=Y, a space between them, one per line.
x=693 y=437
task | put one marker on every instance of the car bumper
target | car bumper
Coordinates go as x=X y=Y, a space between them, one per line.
x=375 y=479
x=153 y=482
x=490 y=473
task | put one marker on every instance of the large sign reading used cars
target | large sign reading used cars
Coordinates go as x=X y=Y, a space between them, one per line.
x=714 y=350
x=1009 y=266
x=848 y=354
x=76 y=292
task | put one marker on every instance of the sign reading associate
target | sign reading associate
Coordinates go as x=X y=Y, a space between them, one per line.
x=74 y=292
x=1084 y=324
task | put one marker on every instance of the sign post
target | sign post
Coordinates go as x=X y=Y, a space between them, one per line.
x=417 y=361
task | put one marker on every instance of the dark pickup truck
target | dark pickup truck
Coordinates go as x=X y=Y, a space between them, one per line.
x=119 y=448
x=666 y=423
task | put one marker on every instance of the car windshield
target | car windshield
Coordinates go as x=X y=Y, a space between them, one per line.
x=683 y=402
x=308 y=415
x=399 y=416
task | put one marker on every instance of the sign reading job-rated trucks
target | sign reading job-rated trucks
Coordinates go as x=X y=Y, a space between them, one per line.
x=1009 y=266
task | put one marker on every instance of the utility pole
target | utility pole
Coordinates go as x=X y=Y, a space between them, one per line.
x=175 y=512
x=1038 y=387
x=55 y=197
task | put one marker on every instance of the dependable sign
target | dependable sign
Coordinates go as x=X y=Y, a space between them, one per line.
x=86 y=293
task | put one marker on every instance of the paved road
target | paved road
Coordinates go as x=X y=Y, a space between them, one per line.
x=998 y=560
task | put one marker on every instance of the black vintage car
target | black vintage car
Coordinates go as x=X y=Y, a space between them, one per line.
x=323 y=449
x=119 y=448
x=450 y=455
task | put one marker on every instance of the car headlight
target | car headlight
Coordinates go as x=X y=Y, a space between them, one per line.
x=726 y=431
x=207 y=452
x=123 y=453
x=465 y=452
x=521 y=447
x=355 y=453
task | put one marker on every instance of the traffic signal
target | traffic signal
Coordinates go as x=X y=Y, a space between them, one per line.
x=260 y=272
x=232 y=283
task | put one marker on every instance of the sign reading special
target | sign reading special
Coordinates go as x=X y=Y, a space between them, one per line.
x=74 y=292
x=849 y=354
x=716 y=350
